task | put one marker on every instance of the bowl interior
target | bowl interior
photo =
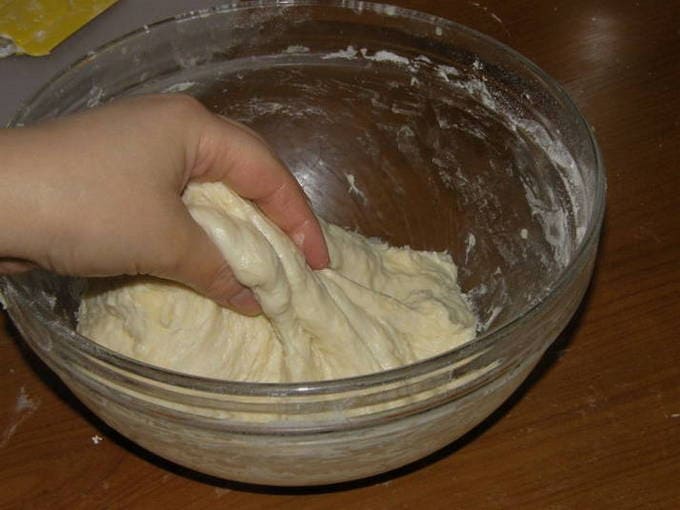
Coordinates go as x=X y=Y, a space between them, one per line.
x=402 y=126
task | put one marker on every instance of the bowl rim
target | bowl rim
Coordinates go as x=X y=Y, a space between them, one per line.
x=419 y=368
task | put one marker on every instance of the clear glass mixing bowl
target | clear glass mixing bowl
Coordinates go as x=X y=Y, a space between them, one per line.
x=403 y=125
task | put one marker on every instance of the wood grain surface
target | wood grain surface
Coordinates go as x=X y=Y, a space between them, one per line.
x=597 y=425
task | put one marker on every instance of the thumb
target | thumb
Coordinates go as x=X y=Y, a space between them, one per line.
x=200 y=265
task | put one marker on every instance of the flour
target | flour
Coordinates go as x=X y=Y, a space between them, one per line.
x=24 y=407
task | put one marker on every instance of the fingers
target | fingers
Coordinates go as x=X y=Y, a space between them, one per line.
x=233 y=154
x=198 y=263
x=13 y=266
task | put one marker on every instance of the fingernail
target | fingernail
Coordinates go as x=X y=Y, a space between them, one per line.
x=299 y=239
x=244 y=302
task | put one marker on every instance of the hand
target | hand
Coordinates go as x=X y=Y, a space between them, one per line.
x=98 y=194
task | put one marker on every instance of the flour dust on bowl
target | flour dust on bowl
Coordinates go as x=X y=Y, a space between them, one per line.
x=400 y=125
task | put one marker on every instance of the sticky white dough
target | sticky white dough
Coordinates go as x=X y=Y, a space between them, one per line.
x=375 y=308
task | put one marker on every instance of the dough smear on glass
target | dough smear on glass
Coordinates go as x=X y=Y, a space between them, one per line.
x=376 y=307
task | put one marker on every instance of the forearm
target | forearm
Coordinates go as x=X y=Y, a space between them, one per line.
x=19 y=192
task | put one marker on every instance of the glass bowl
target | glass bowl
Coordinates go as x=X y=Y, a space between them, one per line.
x=402 y=125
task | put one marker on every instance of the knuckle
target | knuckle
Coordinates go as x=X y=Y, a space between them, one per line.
x=223 y=283
x=184 y=104
x=172 y=106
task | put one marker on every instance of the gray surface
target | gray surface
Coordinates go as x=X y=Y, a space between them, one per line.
x=21 y=77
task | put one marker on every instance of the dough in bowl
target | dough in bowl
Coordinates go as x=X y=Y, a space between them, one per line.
x=376 y=307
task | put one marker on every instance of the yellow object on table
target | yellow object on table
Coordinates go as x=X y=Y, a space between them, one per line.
x=35 y=27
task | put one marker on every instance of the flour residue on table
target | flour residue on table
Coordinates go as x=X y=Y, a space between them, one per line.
x=23 y=408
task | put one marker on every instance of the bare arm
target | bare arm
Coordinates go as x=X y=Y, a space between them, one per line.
x=98 y=194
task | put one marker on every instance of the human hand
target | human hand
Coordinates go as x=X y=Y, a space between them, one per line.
x=98 y=194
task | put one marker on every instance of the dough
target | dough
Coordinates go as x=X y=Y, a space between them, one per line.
x=376 y=307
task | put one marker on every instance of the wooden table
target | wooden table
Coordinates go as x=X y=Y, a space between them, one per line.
x=598 y=423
